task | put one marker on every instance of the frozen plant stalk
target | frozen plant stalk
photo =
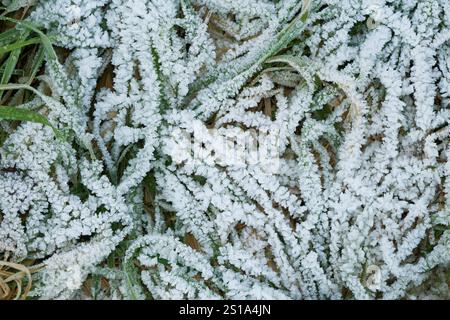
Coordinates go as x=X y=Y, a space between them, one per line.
x=355 y=92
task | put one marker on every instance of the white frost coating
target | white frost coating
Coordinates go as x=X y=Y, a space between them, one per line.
x=358 y=102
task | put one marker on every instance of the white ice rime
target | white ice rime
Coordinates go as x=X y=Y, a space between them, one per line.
x=353 y=94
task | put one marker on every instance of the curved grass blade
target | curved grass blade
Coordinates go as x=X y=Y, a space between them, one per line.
x=44 y=39
x=11 y=62
x=18 y=114
x=19 y=45
x=16 y=72
x=298 y=63
x=37 y=64
x=281 y=41
x=9 y=36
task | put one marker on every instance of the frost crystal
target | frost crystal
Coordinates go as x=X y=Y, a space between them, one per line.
x=353 y=202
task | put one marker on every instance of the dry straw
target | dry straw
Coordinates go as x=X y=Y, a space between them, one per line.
x=15 y=279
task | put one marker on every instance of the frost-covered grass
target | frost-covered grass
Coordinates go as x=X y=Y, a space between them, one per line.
x=237 y=149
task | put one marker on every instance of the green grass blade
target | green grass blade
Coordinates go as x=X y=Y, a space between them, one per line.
x=17 y=114
x=16 y=72
x=37 y=64
x=281 y=41
x=44 y=39
x=11 y=62
x=15 y=86
x=298 y=63
x=19 y=45
x=9 y=67
x=9 y=36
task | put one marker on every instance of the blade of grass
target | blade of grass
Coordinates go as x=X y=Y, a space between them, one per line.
x=37 y=64
x=9 y=36
x=18 y=114
x=298 y=63
x=16 y=86
x=11 y=63
x=44 y=39
x=27 y=87
x=16 y=72
x=281 y=41
x=19 y=45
